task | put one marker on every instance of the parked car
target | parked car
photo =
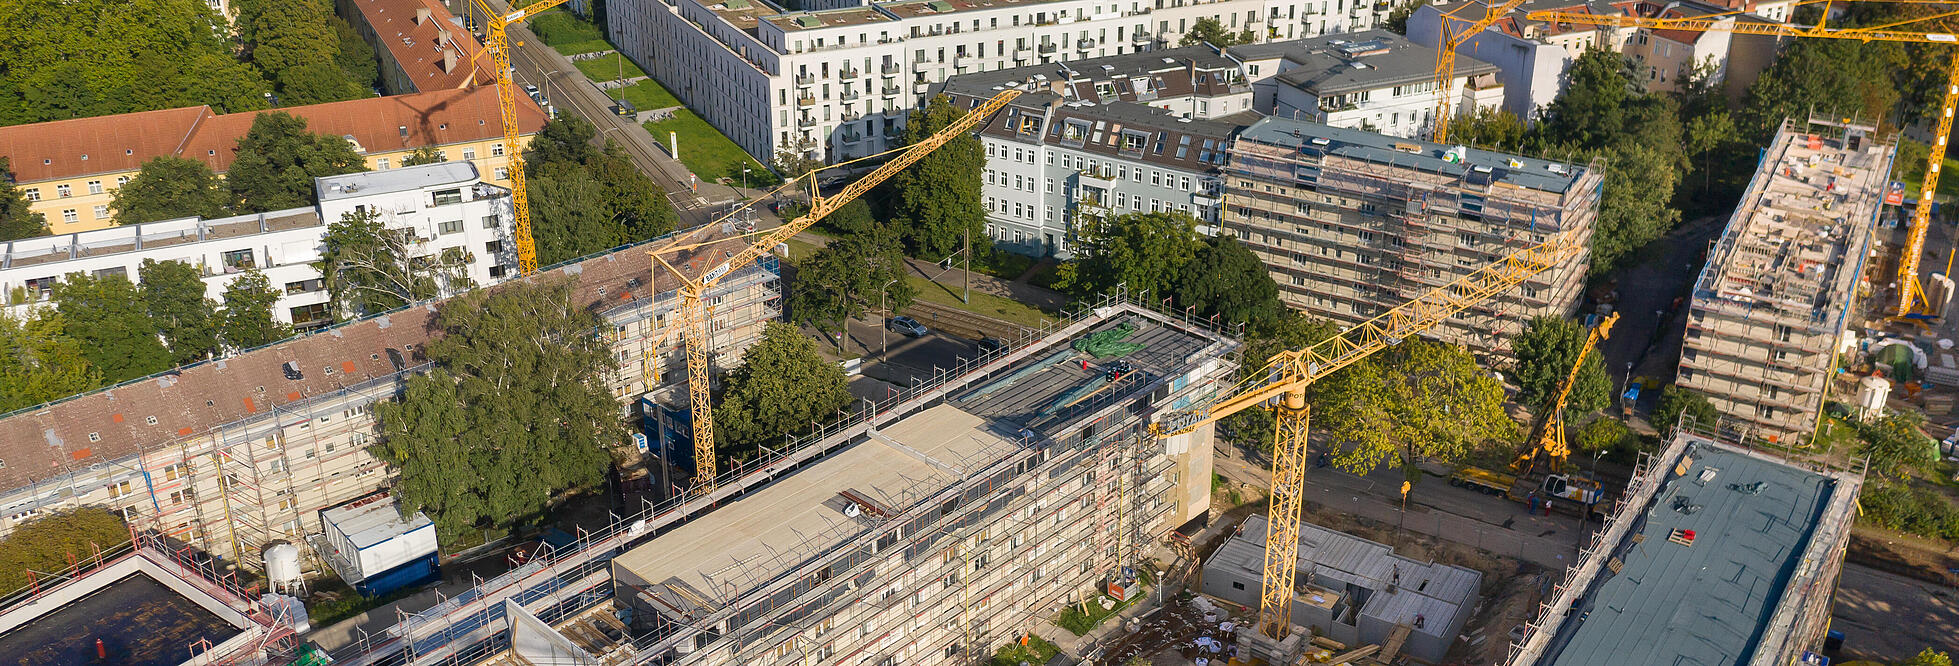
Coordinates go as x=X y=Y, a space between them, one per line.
x=990 y=345
x=908 y=326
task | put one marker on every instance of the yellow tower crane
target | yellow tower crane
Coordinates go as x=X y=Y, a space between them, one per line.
x=1910 y=292
x=497 y=42
x=1282 y=383
x=1550 y=439
x=679 y=257
x=1453 y=37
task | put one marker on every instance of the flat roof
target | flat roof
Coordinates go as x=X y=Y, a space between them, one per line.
x=1369 y=60
x=1526 y=172
x=403 y=179
x=828 y=18
x=140 y=621
x=743 y=14
x=773 y=530
x=1712 y=601
x=917 y=8
x=1052 y=385
x=370 y=522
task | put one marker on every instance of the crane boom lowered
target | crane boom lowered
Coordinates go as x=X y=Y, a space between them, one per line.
x=1910 y=292
x=693 y=308
x=1286 y=376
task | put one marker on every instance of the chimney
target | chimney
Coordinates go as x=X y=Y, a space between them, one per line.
x=442 y=37
x=449 y=60
x=422 y=15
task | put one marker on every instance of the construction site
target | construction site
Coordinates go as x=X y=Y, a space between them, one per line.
x=1781 y=285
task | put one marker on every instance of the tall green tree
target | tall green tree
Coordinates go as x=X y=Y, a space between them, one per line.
x=105 y=314
x=1418 y=399
x=16 y=219
x=278 y=160
x=516 y=410
x=370 y=268
x=248 y=318
x=297 y=46
x=1145 y=251
x=42 y=363
x=569 y=217
x=1828 y=76
x=1208 y=30
x=1896 y=445
x=173 y=297
x=1676 y=400
x=423 y=155
x=170 y=187
x=1225 y=280
x=1929 y=657
x=1398 y=17
x=938 y=198
x=847 y=277
x=1590 y=112
x=1293 y=330
x=355 y=58
x=604 y=200
x=782 y=386
x=1545 y=352
x=1601 y=435
x=631 y=198
x=47 y=543
x=1490 y=128
x=82 y=58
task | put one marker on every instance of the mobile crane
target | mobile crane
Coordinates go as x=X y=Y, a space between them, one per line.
x=1547 y=445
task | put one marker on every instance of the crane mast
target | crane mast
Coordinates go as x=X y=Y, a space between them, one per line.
x=1445 y=57
x=1282 y=384
x=694 y=313
x=497 y=42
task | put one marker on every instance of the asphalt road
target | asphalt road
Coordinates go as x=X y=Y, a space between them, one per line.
x=1647 y=336
x=1890 y=618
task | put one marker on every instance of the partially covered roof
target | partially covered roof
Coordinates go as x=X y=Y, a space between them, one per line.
x=1476 y=164
x=1370 y=60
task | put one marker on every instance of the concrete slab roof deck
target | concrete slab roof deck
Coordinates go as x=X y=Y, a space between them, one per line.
x=743 y=14
x=404 y=179
x=1532 y=173
x=1369 y=60
x=1708 y=603
x=775 y=529
x=830 y=18
x=918 y=8
x=1021 y=400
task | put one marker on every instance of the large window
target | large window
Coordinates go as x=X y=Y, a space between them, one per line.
x=239 y=260
x=447 y=197
x=307 y=316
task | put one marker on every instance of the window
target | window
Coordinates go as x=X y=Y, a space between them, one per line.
x=502 y=173
x=447 y=197
x=119 y=488
x=33 y=193
x=94 y=187
x=102 y=211
x=62 y=191
x=239 y=260
x=122 y=180
x=381 y=163
x=469 y=153
x=450 y=227
x=496 y=150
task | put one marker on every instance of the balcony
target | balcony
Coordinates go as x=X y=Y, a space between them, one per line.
x=852 y=137
x=1095 y=178
x=1049 y=48
x=1084 y=44
x=806 y=121
x=805 y=79
x=848 y=73
x=849 y=94
x=961 y=61
x=891 y=68
x=921 y=87
x=893 y=90
x=851 y=115
x=1141 y=38
x=1383 y=6
x=805 y=100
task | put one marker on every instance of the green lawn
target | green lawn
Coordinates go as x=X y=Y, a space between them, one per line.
x=567 y=33
x=707 y=152
x=647 y=95
x=608 y=67
x=799 y=250
x=989 y=305
x=1910 y=169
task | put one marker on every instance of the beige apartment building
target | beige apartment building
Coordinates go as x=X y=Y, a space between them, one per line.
x=234 y=453
x=69 y=169
x=1780 y=287
x=1353 y=223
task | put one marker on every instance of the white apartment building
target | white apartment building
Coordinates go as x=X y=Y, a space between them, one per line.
x=446 y=204
x=1374 y=80
x=835 y=83
x=1531 y=56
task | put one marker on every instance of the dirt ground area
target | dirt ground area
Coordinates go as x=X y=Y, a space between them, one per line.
x=1511 y=588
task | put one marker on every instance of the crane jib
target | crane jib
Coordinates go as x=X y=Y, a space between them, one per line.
x=715 y=274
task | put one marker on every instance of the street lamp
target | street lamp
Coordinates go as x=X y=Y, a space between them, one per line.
x=884 y=327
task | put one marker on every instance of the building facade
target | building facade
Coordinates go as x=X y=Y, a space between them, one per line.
x=232 y=454
x=836 y=83
x=1353 y=223
x=1374 y=80
x=1781 y=285
x=1143 y=132
x=69 y=169
x=443 y=205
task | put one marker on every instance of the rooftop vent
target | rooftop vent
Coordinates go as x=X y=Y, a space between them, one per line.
x=1321 y=141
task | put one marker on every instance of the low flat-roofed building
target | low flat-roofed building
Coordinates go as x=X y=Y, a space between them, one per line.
x=1374 y=80
x=1716 y=554
x=1351 y=589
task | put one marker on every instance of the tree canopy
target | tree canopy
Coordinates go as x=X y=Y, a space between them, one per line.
x=303 y=49
x=1895 y=444
x=16 y=219
x=782 y=386
x=370 y=268
x=1147 y=252
x=1676 y=400
x=44 y=543
x=1225 y=280
x=82 y=58
x=42 y=363
x=105 y=314
x=1545 y=353
x=248 y=319
x=173 y=297
x=936 y=201
x=516 y=410
x=170 y=187
x=847 y=277
x=423 y=155
x=278 y=160
x=1208 y=30
x=1417 y=399
x=586 y=199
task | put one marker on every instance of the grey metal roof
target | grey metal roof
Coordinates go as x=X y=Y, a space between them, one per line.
x=985 y=84
x=1710 y=602
x=1332 y=559
x=1370 y=60
x=395 y=180
x=1530 y=172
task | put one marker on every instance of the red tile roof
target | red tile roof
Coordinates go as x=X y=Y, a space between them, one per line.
x=70 y=148
x=433 y=50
